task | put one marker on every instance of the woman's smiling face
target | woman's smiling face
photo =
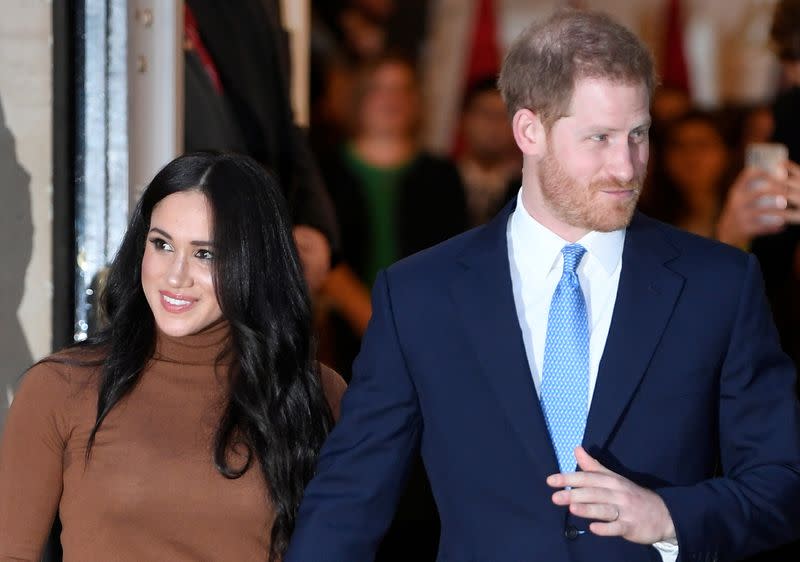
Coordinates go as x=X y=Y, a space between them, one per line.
x=177 y=267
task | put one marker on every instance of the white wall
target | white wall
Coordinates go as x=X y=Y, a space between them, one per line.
x=26 y=98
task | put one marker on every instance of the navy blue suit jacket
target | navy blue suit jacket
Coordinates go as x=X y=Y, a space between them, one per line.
x=694 y=399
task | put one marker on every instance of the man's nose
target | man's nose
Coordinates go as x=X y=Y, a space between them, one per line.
x=621 y=162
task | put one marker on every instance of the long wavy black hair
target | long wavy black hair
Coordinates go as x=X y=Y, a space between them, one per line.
x=276 y=407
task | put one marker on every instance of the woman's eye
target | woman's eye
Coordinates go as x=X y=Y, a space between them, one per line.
x=204 y=254
x=161 y=244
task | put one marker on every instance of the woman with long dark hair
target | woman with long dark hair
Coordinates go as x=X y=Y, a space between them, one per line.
x=692 y=174
x=695 y=187
x=188 y=427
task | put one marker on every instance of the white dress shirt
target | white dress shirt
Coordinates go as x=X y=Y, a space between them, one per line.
x=534 y=254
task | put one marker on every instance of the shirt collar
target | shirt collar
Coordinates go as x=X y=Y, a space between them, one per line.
x=537 y=250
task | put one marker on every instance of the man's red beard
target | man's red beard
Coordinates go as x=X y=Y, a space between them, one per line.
x=585 y=206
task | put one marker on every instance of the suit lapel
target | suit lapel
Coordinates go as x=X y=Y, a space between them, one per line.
x=484 y=298
x=645 y=300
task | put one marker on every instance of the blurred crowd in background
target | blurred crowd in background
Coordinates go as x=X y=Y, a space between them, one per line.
x=366 y=190
x=393 y=197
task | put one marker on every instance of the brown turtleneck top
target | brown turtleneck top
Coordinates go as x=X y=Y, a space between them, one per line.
x=150 y=490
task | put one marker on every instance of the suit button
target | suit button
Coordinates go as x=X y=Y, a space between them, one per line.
x=571 y=533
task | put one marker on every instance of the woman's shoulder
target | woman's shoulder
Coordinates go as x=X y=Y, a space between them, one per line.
x=63 y=373
x=53 y=394
x=333 y=386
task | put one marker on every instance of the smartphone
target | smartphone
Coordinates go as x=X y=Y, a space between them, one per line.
x=767 y=156
x=770 y=157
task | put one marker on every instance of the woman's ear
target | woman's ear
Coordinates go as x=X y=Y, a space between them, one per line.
x=529 y=132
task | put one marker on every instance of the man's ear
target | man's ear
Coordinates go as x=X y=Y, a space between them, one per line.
x=529 y=132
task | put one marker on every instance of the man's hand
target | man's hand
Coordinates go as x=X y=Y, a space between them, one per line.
x=619 y=507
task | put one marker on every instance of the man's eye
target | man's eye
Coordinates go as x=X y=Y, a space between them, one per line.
x=599 y=137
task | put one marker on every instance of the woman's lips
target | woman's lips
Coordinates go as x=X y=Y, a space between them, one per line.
x=176 y=303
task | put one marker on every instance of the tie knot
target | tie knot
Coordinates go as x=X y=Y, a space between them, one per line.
x=572 y=257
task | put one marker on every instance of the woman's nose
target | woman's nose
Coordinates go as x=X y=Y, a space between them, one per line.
x=178 y=274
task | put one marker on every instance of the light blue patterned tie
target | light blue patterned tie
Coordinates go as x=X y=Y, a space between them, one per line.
x=565 y=369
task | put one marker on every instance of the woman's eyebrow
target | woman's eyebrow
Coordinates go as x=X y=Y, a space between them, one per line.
x=161 y=232
x=193 y=242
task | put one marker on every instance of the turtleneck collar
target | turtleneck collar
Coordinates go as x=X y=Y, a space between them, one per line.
x=201 y=348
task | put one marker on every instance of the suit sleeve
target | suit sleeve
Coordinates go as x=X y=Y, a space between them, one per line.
x=365 y=462
x=755 y=504
x=31 y=454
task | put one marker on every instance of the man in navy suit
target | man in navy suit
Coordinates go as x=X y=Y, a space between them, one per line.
x=584 y=383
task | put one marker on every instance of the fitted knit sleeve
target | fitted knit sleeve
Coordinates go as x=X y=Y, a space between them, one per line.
x=31 y=453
